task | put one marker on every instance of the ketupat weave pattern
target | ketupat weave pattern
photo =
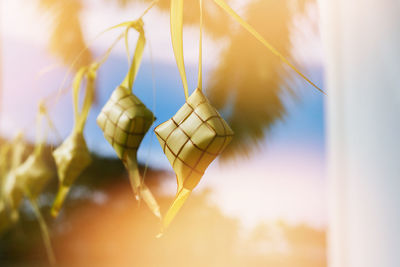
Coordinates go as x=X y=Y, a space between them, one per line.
x=125 y=120
x=191 y=140
x=72 y=157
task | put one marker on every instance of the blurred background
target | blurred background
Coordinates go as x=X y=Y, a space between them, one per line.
x=262 y=203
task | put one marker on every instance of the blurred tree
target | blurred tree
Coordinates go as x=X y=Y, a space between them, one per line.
x=66 y=39
x=249 y=82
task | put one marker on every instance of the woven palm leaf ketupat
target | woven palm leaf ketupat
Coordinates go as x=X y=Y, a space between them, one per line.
x=72 y=157
x=29 y=178
x=34 y=173
x=191 y=140
x=32 y=177
x=125 y=120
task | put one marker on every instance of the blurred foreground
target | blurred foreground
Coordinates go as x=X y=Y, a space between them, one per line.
x=102 y=225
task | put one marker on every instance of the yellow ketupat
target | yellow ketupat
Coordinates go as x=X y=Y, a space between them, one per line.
x=125 y=120
x=34 y=174
x=29 y=178
x=72 y=157
x=191 y=140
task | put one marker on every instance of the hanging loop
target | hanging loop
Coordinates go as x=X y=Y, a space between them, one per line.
x=90 y=74
x=261 y=39
x=138 y=54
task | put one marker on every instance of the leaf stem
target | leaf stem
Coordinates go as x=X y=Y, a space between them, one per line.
x=148 y=8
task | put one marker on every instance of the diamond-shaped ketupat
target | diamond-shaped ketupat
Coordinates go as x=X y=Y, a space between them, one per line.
x=71 y=158
x=35 y=175
x=28 y=179
x=191 y=140
x=124 y=121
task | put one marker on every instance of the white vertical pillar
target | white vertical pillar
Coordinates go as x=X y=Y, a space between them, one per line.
x=362 y=44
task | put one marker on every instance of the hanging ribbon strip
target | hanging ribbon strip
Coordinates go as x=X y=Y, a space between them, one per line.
x=90 y=74
x=177 y=39
x=138 y=55
x=252 y=31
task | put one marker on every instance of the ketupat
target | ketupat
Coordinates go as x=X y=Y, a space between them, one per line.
x=191 y=140
x=72 y=157
x=31 y=178
x=28 y=179
x=125 y=120
x=32 y=175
